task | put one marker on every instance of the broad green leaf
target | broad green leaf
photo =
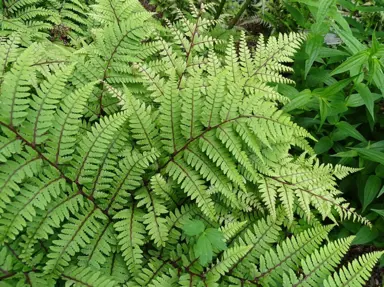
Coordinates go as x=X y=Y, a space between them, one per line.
x=352 y=43
x=353 y=62
x=380 y=212
x=203 y=250
x=347 y=4
x=334 y=88
x=312 y=49
x=372 y=187
x=299 y=101
x=370 y=8
x=350 y=130
x=365 y=235
x=367 y=97
x=326 y=52
x=323 y=145
x=371 y=154
x=323 y=110
x=323 y=9
x=381 y=192
x=346 y=154
x=356 y=101
x=216 y=237
x=193 y=227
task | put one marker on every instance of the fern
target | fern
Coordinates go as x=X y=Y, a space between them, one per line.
x=111 y=147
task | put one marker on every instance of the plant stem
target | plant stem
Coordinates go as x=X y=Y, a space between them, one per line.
x=239 y=13
x=220 y=9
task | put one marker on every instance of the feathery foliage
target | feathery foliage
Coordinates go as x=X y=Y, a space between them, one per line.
x=107 y=156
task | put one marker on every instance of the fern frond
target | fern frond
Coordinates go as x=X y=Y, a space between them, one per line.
x=94 y=145
x=38 y=192
x=128 y=177
x=321 y=263
x=130 y=236
x=24 y=165
x=15 y=90
x=62 y=135
x=76 y=234
x=155 y=224
x=85 y=276
x=192 y=184
x=356 y=273
x=288 y=254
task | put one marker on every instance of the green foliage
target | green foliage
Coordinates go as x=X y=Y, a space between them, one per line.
x=147 y=158
x=341 y=81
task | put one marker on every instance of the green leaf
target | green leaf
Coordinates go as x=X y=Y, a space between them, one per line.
x=217 y=239
x=323 y=9
x=312 y=49
x=299 y=101
x=334 y=88
x=203 y=249
x=323 y=110
x=380 y=212
x=355 y=61
x=350 y=130
x=381 y=192
x=371 y=190
x=371 y=154
x=365 y=235
x=323 y=145
x=370 y=8
x=347 y=4
x=355 y=100
x=367 y=97
x=352 y=43
x=193 y=227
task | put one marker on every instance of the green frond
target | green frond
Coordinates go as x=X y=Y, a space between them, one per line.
x=210 y=115
x=62 y=135
x=320 y=264
x=112 y=11
x=355 y=273
x=15 y=89
x=213 y=174
x=8 y=146
x=75 y=235
x=170 y=118
x=176 y=220
x=37 y=192
x=217 y=153
x=84 y=276
x=155 y=223
x=130 y=236
x=230 y=257
x=192 y=185
x=94 y=145
x=99 y=249
x=8 y=52
x=258 y=236
x=116 y=268
x=147 y=275
x=129 y=151
x=128 y=177
x=141 y=124
x=23 y=166
x=44 y=105
x=288 y=255
x=43 y=226
x=191 y=107
x=164 y=190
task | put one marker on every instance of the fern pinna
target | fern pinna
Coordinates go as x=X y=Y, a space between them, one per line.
x=147 y=159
